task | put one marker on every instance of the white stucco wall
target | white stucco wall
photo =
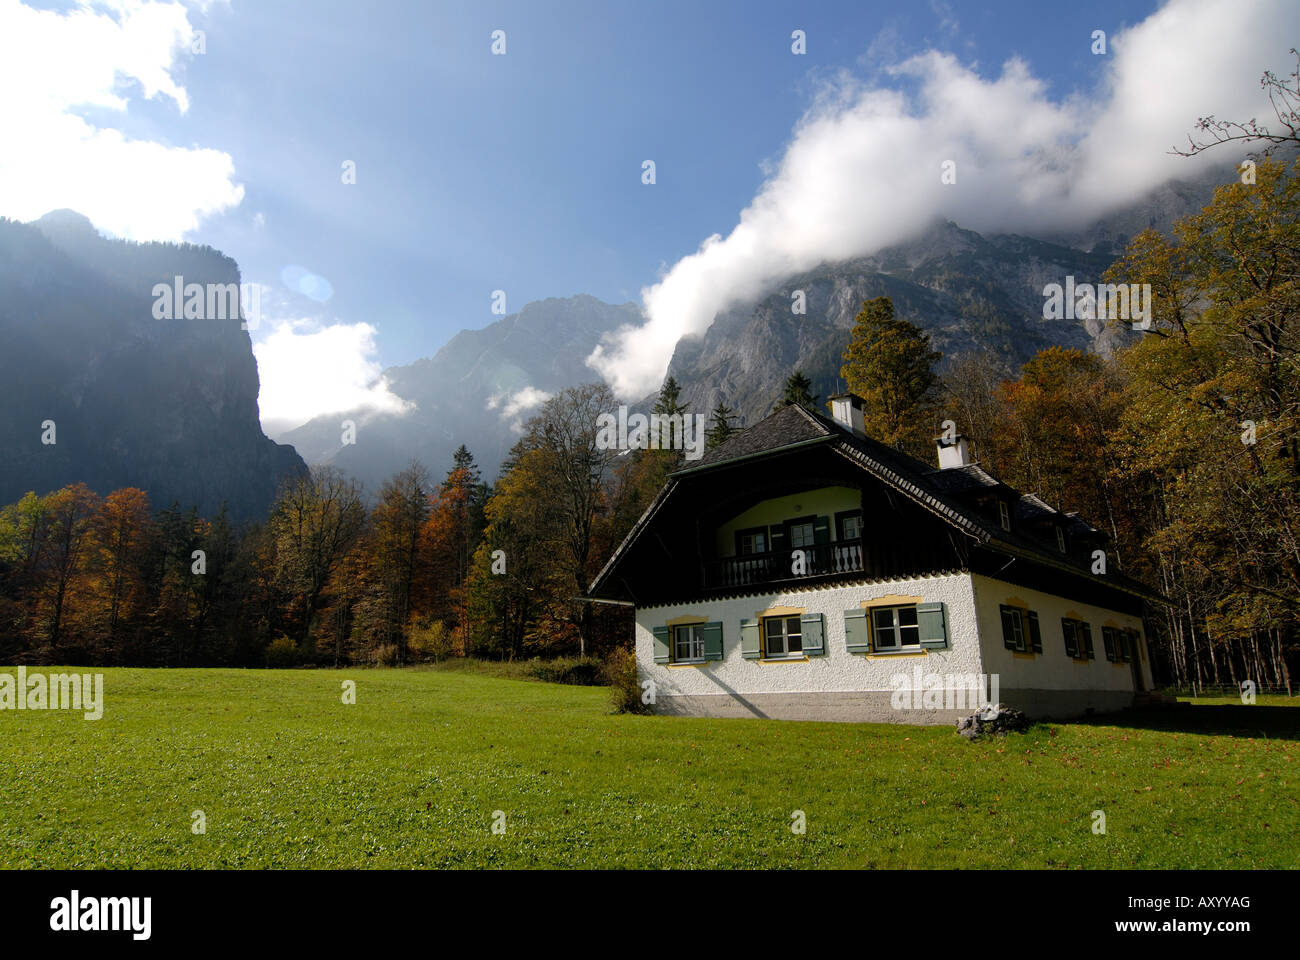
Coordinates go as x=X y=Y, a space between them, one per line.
x=837 y=670
x=1053 y=669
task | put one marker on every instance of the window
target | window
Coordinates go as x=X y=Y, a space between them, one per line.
x=784 y=636
x=1060 y=539
x=692 y=643
x=895 y=628
x=1020 y=629
x=688 y=643
x=1134 y=638
x=1004 y=515
x=1013 y=629
x=751 y=541
x=850 y=526
x=1078 y=639
x=1120 y=644
x=801 y=535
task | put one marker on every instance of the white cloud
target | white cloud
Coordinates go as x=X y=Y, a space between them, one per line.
x=308 y=368
x=862 y=171
x=513 y=404
x=101 y=54
x=522 y=400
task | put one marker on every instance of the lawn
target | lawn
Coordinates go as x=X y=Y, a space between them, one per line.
x=287 y=775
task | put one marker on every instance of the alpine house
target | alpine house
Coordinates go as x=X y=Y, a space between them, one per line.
x=804 y=571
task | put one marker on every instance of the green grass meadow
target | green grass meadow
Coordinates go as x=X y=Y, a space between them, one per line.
x=288 y=776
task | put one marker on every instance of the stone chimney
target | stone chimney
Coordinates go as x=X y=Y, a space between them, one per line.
x=954 y=452
x=846 y=410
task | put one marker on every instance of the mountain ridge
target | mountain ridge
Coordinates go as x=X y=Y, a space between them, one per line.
x=169 y=406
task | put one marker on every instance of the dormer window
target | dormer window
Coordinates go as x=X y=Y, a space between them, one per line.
x=1004 y=515
x=1060 y=539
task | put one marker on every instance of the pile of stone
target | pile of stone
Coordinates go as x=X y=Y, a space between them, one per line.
x=997 y=718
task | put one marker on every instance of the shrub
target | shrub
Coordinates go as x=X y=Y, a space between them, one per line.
x=430 y=641
x=282 y=652
x=385 y=654
x=578 y=671
x=624 y=682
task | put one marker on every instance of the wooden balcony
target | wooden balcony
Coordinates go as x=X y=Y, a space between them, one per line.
x=820 y=560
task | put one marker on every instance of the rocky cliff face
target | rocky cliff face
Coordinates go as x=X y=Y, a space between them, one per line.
x=969 y=292
x=169 y=406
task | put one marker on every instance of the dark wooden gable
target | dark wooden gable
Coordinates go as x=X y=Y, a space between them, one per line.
x=667 y=558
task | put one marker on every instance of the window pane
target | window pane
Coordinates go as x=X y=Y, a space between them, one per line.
x=884 y=617
x=886 y=638
x=775 y=636
x=911 y=636
x=694 y=645
x=907 y=616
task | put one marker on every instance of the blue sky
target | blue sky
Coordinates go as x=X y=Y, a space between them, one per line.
x=522 y=172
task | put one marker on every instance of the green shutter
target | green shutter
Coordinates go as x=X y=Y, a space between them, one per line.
x=933 y=626
x=750 y=647
x=776 y=538
x=822 y=530
x=663 y=648
x=711 y=634
x=1108 y=641
x=1087 y=641
x=1035 y=636
x=814 y=635
x=1071 y=638
x=1008 y=627
x=855 y=631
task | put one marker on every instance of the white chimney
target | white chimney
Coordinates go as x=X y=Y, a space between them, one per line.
x=846 y=410
x=954 y=452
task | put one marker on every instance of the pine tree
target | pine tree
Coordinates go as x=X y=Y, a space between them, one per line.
x=798 y=390
x=669 y=402
x=720 y=427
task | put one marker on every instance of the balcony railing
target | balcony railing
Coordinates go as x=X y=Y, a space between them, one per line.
x=819 y=560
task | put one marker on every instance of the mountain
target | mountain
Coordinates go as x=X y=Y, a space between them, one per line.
x=169 y=406
x=475 y=391
x=968 y=291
